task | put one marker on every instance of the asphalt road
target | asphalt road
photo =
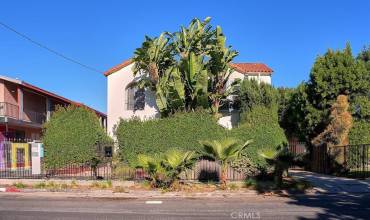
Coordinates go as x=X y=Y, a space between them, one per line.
x=269 y=207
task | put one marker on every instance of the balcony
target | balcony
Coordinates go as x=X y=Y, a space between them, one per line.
x=9 y=110
x=34 y=117
x=12 y=111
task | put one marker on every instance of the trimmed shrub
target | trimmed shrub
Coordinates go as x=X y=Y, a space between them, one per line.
x=181 y=131
x=72 y=136
x=261 y=125
x=184 y=131
x=360 y=133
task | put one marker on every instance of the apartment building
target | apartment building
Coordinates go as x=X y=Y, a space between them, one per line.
x=25 y=107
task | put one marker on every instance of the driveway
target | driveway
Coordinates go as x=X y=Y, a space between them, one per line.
x=333 y=184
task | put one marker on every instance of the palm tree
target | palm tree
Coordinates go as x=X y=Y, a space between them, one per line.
x=176 y=162
x=164 y=170
x=281 y=159
x=224 y=152
x=152 y=165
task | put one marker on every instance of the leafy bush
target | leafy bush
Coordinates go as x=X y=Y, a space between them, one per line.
x=360 y=133
x=165 y=169
x=19 y=185
x=184 y=130
x=181 y=131
x=72 y=136
x=261 y=125
x=253 y=94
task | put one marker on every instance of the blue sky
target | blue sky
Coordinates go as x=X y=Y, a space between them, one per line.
x=286 y=35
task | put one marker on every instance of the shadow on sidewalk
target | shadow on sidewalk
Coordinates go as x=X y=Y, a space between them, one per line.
x=335 y=206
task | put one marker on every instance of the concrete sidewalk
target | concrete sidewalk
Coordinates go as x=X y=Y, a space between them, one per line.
x=332 y=184
x=132 y=194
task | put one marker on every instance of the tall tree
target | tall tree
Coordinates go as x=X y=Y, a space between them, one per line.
x=191 y=44
x=364 y=56
x=186 y=69
x=221 y=57
x=155 y=62
x=336 y=133
x=333 y=74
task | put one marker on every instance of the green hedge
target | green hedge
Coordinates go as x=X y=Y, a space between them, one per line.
x=360 y=133
x=184 y=130
x=71 y=136
x=261 y=125
x=181 y=131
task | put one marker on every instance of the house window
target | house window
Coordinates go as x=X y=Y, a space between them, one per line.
x=135 y=99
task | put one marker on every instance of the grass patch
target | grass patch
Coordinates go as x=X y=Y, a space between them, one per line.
x=19 y=185
x=120 y=189
x=101 y=185
x=233 y=186
x=41 y=185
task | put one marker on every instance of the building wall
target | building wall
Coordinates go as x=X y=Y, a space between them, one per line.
x=29 y=133
x=117 y=95
x=10 y=93
x=34 y=102
x=2 y=88
x=259 y=77
x=118 y=82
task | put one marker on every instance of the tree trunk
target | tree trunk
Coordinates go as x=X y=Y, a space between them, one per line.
x=215 y=108
x=223 y=176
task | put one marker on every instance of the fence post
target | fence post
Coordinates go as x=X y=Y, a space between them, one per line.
x=363 y=162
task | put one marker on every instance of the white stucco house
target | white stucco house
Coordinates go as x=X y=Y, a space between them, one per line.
x=126 y=103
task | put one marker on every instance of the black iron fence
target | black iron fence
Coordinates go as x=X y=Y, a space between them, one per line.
x=17 y=160
x=349 y=160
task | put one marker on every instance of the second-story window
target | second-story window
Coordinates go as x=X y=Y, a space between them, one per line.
x=135 y=99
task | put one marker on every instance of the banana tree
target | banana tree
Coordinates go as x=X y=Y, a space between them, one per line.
x=170 y=93
x=224 y=152
x=154 y=61
x=191 y=45
x=153 y=57
x=219 y=70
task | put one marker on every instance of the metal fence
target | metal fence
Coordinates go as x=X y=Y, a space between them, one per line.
x=297 y=147
x=17 y=160
x=349 y=160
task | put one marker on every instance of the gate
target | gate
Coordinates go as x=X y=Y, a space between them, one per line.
x=355 y=159
x=348 y=160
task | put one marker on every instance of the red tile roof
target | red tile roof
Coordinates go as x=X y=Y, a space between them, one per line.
x=118 y=67
x=240 y=67
x=252 y=68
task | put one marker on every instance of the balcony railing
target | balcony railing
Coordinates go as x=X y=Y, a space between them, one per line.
x=35 y=117
x=12 y=111
x=9 y=110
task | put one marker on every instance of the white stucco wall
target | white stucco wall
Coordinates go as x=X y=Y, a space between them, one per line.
x=229 y=119
x=259 y=77
x=117 y=95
